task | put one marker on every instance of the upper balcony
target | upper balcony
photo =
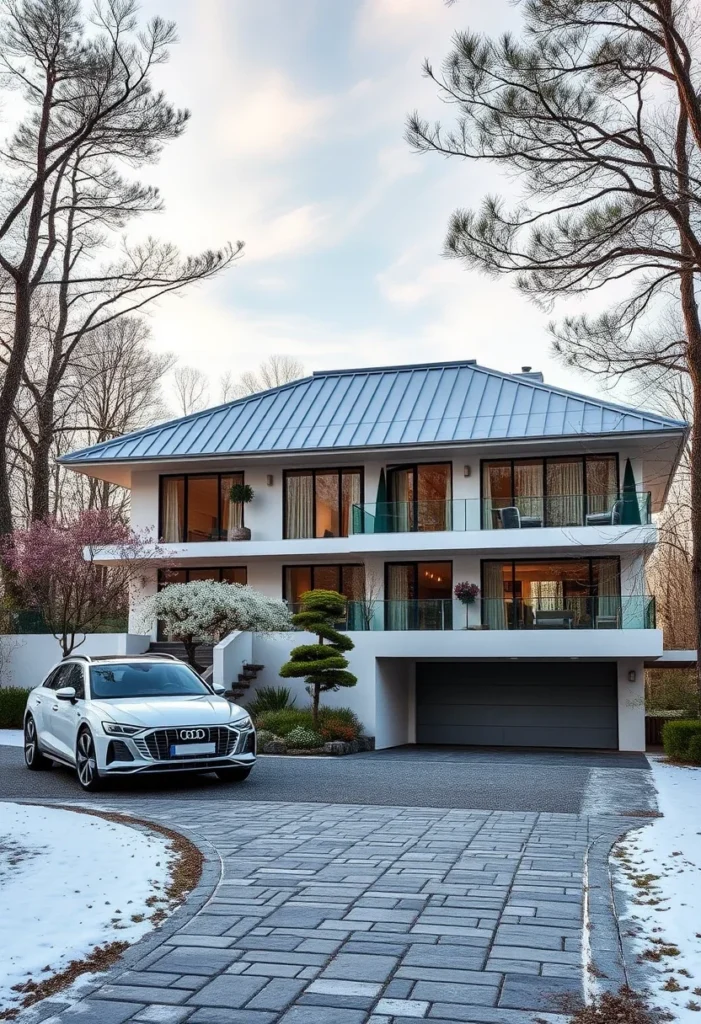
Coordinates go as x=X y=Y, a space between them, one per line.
x=520 y=513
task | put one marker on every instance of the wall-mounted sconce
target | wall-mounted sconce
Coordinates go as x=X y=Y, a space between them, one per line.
x=467 y=470
x=632 y=676
x=269 y=480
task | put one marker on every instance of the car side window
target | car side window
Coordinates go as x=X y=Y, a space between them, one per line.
x=54 y=680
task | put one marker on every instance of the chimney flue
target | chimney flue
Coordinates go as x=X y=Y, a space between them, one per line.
x=526 y=369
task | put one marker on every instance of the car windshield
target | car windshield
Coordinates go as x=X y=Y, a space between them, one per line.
x=148 y=679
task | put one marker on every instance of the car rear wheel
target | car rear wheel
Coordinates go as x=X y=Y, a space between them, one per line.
x=233 y=774
x=33 y=757
x=86 y=762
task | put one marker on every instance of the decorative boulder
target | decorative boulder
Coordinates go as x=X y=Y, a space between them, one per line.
x=275 y=747
x=337 y=747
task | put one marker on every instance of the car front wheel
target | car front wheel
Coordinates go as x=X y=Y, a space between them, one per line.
x=86 y=762
x=33 y=757
x=233 y=774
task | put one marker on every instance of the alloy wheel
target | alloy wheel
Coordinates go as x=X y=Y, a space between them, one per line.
x=30 y=741
x=85 y=759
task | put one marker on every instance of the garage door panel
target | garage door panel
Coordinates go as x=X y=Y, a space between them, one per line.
x=519 y=715
x=523 y=704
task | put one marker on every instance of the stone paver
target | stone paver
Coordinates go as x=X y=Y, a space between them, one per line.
x=345 y=914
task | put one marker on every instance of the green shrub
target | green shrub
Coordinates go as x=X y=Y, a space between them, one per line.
x=283 y=722
x=693 y=754
x=672 y=690
x=300 y=738
x=271 y=698
x=263 y=736
x=677 y=735
x=329 y=717
x=13 y=701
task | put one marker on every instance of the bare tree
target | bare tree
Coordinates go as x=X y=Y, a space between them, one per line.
x=90 y=108
x=271 y=373
x=596 y=113
x=191 y=388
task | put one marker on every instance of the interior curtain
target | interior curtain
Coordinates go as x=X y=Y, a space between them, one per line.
x=608 y=589
x=350 y=496
x=565 y=494
x=398 y=596
x=494 y=603
x=601 y=485
x=528 y=488
x=402 y=508
x=299 y=506
x=172 y=524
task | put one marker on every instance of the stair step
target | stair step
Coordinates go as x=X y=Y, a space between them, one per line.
x=254 y=668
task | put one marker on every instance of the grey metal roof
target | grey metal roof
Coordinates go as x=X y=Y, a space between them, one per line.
x=381 y=406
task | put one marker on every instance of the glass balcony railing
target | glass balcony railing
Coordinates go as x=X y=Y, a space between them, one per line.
x=510 y=513
x=632 y=611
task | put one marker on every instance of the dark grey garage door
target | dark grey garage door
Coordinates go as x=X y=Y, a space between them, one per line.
x=523 y=704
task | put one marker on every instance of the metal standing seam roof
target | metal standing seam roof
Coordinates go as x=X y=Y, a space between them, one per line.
x=381 y=406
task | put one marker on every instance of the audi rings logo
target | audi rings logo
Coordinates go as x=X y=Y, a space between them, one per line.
x=192 y=734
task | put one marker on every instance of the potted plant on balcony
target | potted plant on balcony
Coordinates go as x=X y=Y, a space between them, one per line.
x=467 y=594
x=240 y=494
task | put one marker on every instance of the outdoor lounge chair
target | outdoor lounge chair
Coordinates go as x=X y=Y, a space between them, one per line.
x=511 y=519
x=610 y=518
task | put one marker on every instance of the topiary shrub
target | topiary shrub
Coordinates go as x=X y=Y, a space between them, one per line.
x=300 y=738
x=693 y=755
x=13 y=701
x=677 y=736
x=271 y=698
x=282 y=722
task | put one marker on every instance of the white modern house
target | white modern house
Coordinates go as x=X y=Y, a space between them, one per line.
x=394 y=484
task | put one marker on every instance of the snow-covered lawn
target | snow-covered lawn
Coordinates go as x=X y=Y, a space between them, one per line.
x=11 y=738
x=70 y=882
x=659 y=867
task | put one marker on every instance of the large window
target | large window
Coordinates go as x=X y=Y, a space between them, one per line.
x=319 y=502
x=197 y=507
x=419 y=595
x=348 y=580
x=419 y=497
x=553 y=491
x=570 y=593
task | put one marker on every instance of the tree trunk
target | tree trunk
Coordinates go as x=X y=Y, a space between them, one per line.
x=693 y=334
x=9 y=391
x=41 y=484
x=315 y=705
x=190 y=649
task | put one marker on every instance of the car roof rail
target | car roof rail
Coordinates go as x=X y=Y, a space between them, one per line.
x=132 y=657
x=75 y=657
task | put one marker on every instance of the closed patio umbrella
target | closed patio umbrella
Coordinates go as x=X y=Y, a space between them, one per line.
x=631 y=508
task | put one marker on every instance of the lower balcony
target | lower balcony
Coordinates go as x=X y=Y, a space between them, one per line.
x=635 y=611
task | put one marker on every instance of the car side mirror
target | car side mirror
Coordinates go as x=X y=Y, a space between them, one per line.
x=66 y=693
x=219 y=689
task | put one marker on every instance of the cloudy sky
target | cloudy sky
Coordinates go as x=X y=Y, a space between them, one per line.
x=296 y=147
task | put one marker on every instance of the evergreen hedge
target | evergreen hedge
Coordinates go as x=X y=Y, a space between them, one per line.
x=13 y=701
x=682 y=740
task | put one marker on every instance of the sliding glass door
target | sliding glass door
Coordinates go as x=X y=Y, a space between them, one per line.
x=418 y=595
x=420 y=497
x=573 y=593
x=319 y=503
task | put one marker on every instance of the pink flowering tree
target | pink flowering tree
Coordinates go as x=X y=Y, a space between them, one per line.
x=56 y=572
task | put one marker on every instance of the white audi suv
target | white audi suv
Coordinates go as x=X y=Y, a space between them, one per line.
x=111 y=716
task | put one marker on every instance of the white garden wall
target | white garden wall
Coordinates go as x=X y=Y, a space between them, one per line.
x=25 y=659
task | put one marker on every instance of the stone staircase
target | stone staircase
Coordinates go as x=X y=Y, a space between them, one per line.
x=205 y=657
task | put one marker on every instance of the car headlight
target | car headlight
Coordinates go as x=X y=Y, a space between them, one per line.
x=118 y=729
x=242 y=723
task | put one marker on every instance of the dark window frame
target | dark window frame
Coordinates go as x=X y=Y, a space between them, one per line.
x=415 y=563
x=545 y=459
x=415 y=467
x=543 y=561
x=198 y=568
x=186 y=477
x=339 y=470
x=316 y=565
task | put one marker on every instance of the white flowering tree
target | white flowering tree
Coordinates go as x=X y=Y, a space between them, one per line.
x=204 y=612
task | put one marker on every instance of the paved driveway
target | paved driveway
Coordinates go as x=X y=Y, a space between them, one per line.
x=340 y=914
x=474 y=779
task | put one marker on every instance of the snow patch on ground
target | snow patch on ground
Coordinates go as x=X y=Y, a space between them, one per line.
x=11 y=738
x=659 y=869
x=70 y=882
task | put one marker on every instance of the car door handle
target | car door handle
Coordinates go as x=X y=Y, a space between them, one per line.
x=54 y=707
x=37 y=700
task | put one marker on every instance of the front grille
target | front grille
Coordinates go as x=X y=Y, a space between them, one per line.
x=157 y=744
